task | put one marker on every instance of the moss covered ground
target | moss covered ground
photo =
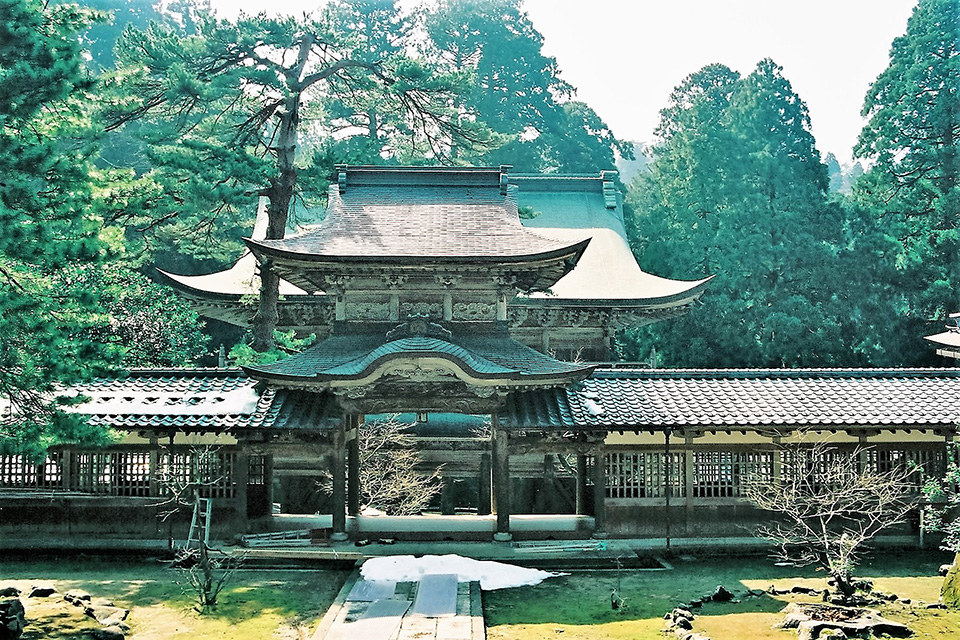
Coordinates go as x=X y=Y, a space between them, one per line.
x=577 y=607
x=263 y=603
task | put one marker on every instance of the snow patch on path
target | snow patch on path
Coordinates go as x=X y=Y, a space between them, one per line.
x=491 y=575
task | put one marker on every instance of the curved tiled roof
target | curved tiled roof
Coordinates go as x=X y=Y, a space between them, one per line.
x=649 y=399
x=487 y=356
x=375 y=223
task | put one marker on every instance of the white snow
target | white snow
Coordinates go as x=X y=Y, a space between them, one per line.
x=491 y=575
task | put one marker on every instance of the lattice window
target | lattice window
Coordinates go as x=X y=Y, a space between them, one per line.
x=625 y=475
x=642 y=474
x=723 y=474
x=21 y=471
x=256 y=470
x=210 y=471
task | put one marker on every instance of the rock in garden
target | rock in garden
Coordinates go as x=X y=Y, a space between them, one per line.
x=809 y=591
x=683 y=623
x=108 y=633
x=721 y=594
x=9 y=592
x=695 y=604
x=76 y=597
x=107 y=616
x=680 y=612
x=945 y=569
x=13 y=619
x=42 y=591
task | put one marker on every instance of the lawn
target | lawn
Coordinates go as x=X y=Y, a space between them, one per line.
x=262 y=603
x=577 y=607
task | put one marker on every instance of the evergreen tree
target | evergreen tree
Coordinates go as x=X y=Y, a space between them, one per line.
x=737 y=190
x=518 y=91
x=230 y=105
x=46 y=225
x=912 y=187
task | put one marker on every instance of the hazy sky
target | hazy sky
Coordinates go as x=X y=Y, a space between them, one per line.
x=625 y=56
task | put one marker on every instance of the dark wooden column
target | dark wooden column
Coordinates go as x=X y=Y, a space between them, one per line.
x=353 y=467
x=268 y=481
x=241 y=478
x=581 y=484
x=338 y=471
x=599 y=494
x=484 y=497
x=501 y=481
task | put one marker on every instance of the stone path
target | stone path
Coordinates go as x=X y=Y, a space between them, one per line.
x=350 y=619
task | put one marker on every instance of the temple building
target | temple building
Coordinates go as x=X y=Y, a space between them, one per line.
x=485 y=306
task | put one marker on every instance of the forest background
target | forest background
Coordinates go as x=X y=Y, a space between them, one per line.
x=136 y=136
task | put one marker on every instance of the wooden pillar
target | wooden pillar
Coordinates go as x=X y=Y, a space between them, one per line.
x=484 y=495
x=154 y=466
x=268 y=481
x=667 y=488
x=501 y=481
x=338 y=471
x=599 y=494
x=69 y=471
x=353 y=467
x=581 y=484
x=862 y=453
x=777 y=462
x=688 y=475
x=241 y=478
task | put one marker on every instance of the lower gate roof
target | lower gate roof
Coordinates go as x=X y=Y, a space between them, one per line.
x=222 y=400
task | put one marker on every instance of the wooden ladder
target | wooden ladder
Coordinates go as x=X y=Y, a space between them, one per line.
x=200 y=523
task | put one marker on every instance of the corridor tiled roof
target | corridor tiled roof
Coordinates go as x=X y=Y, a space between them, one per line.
x=616 y=399
x=611 y=399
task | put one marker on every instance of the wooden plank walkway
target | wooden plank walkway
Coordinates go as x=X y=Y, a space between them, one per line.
x=350 y=618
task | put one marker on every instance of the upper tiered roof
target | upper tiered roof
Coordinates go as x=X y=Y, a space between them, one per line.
x=411 y=215
x=570 y=208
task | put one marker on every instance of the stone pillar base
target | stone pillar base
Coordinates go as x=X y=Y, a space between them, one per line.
x=501 y=536
x=339 y=536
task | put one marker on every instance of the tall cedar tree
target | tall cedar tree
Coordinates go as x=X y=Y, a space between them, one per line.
x=231 y=101
x=518 y=90
x=46 y=228
x=737 y=190
x=912 y=189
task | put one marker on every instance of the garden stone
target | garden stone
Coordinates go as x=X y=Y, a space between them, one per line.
x=107 y=616
x=695 y=604
x=76 y=597
x=944 y=569
x=680 y=612
x=832 y=634
x=42 y=591
x=13 y=619
x=683 y=623
x=809 y=591
x=721 y=594
x=9 y=592
x=108 y=633
x=905 y=600
x=950 y=591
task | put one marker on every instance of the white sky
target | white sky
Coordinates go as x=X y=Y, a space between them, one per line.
x=625 y=56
